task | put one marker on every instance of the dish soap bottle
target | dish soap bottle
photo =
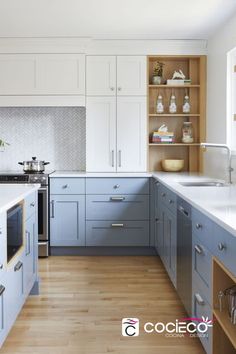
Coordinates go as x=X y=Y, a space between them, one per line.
x=186 y=105
x=160 y=106
x=172 y=106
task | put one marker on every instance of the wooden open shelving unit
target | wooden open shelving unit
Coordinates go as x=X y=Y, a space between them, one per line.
x=194 y=67
x=224 y=332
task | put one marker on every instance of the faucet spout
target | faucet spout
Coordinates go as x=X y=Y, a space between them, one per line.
x=226 y=147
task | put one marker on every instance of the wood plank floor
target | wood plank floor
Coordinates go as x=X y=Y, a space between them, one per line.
x=83 y=300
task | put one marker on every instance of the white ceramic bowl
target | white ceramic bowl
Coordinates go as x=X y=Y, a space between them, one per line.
x=173 y=165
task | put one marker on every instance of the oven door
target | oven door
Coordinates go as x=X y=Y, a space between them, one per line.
x=43 y=214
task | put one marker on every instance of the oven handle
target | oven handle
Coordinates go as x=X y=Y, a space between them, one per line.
x=43 y=189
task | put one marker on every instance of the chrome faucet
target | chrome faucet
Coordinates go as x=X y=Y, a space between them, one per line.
x=226 y=147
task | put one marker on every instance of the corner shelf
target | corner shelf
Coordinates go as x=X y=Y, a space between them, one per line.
x=194 y=67
x=224 y=332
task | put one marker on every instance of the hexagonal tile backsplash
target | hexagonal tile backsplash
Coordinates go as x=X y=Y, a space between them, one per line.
x=55 y=134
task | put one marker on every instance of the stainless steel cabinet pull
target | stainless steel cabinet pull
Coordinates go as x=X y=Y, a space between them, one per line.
x=171 y=201
x=119 y=157
x=112 y=158
x=32 y=204
x=221 y=246
x=112 y=88
x=198 y=249
x=198 y=226
x=28 y=246
x=65 y=186
x=116 y=186
x=53 y=209
x=1 y=266
x=119 y=88
x=18 y=266
x=157 y=183
x=2 y=289
x=117 y=225
x=199 y=299
x=163 y=194
x=117 y=199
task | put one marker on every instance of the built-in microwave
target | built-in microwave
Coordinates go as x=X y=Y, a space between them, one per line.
x=14 y=230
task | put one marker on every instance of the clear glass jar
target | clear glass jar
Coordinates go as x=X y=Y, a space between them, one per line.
x=160 y=105
x=187 y=133
x=172 y=106
x=186 y=105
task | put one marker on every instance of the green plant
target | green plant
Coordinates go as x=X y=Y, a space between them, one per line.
x=158 y=69
x=3 y=143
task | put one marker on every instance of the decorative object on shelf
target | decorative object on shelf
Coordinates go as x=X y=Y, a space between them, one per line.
x=172 y=106
x=186 y=105
x=157 y=73
x=3 y=144
x=187 y=133
x=162 y=136
x=173 y=165
x=230 y=295
x=159 y=105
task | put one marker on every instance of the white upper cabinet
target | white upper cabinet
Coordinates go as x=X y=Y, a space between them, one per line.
x=101 y=134
x=131 y=75
x=131 y=134
x=101 y=75
x=42 y=74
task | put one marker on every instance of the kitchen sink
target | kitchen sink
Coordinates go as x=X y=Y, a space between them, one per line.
x=203 y=184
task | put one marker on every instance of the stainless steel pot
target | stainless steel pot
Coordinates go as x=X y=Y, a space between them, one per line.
x=33 y=165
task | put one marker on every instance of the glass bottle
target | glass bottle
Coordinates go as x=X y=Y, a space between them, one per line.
x=187 y=133
x=186 y=105
x=172 y=106
x=160 y=105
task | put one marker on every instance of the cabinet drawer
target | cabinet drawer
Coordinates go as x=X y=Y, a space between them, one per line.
x=124 y=207
x=202 y=308
x=224 y=247
x=117 y=233
x=168 y=198
x=202 y=227
x=202 y=267
x=117 y=186
x=67 y=185
x=30 y=205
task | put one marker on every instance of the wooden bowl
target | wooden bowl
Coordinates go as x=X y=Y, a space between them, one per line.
x=173 y=165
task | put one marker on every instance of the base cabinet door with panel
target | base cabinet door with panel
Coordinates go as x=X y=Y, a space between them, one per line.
x=67 y=220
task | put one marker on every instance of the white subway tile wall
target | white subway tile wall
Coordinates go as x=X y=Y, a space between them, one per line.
x=55 y=134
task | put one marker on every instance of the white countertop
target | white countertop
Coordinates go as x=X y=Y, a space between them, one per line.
x=79 y=174
x=218 y=203
x=11 y=194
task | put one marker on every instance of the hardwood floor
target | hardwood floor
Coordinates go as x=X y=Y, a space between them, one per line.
x=83 y=300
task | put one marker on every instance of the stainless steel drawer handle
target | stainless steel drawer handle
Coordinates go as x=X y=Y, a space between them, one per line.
x=171 y=201
x=221 y=246
x=198 y=226
x=112 y=88
x=112 y=158
x=117 y=199
x=1 y=266
x=119 y=158
x=2 y=289
x=18 y=266
x=199 y=299
x=119 y=88
x=116 y=186
x=65 y=186
x=163 y=194
x=117 y=225
x=198 y=249
x=32 y=204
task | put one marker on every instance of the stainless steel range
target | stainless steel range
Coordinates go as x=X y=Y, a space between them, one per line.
x=43 y=193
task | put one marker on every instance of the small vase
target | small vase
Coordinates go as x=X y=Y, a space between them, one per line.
x=156 y=80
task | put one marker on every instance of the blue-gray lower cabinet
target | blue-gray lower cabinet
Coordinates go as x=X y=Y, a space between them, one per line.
x=29 y=256
x=3 y=309
x=67 y=220
x=117 y=233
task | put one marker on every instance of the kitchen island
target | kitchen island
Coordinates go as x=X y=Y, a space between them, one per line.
x=18 y=251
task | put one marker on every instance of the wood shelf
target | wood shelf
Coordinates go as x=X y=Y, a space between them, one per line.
x=173 y=144
x=228 y=327
x=174 y=115
x=194 y=68
x=174 y=86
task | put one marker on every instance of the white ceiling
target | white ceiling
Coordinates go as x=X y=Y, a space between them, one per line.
x=153 y=19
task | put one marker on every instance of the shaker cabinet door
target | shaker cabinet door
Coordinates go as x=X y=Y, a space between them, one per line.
x=131 y=134
x=67 y=220
x=101 y=75
x=131 y=75
x=101 y=134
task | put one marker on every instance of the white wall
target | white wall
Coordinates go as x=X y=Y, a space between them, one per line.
x=222 y=41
